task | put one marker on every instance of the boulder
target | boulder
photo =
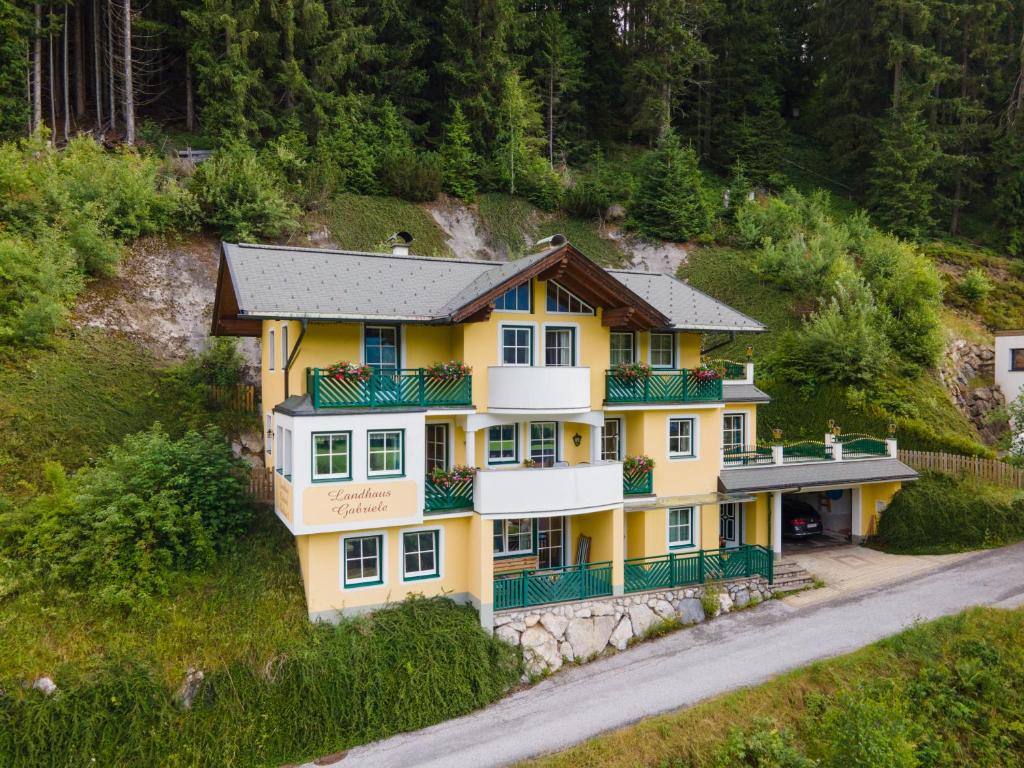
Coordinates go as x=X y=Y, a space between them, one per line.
x=44 y=684
x=507 y=633
x=642 y=619
x=532 y=619
x=565 y=650
x=741 y=598
x=622 y=635
x=664 y=609
x=602 y=609
x=554 y=624
x=615 y=212
x=724 y=603
x=540 y=650
x=584 y=612
x=190 y=687
x=589 y=637
x=690 y=611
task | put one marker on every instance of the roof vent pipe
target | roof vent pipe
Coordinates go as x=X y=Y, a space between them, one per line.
x=554 y=241
x=400 y=243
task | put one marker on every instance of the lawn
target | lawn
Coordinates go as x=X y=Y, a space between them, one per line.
x=364 y=223
x=936 y=694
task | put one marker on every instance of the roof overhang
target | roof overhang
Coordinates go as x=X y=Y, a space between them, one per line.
x=228 y=320
x=790 y=478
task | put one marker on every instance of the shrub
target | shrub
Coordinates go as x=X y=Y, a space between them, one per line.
x=672 y=201
x=709 y=601
x=411 y=665
x=938 y=513
x=866 y=727
x=241 y=196
x=37 y=280
x=975 y=286
x=764 y=746
x=149 y=507
x=461 y=163
x=586 y=199
x=411 y=175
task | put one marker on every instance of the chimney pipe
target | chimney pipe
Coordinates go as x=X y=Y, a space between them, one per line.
x=400 y=243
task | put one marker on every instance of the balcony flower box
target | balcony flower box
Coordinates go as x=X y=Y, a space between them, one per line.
x=450 y=371
x=637 y=465
x=455 y=476
x=346 y=371
x=632 y=371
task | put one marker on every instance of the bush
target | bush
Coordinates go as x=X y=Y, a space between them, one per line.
x=672 y=201
x=938 y=513
x=866 y=727
x=411 y=175
x=975 y=286
x=764 y=746
x=149 y=507
x=242 y=197
x=405 y=667
x=37 y=281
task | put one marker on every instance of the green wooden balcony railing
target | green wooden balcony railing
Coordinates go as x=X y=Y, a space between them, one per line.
x=383 y=389
x=806 y=450
x=747 y=455
x=733 y=370
x=452 y=496
x=552 y=585
x=637 y=483
x=859 y=445
x=662 y=387
x=678 y=569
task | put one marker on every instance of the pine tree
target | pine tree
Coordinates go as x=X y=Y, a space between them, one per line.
x=1008 y=195
x=559 y=70
x=901 y=186
x=461 y=163
x=520 y=135
x=15 y=25
x=672 y=202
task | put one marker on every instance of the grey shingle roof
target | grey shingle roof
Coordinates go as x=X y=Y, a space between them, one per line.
x=283 y=282
x=813 y=475
x=688 y=308
x=743 y=393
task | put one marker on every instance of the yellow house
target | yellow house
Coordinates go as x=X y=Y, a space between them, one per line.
x=485 y=430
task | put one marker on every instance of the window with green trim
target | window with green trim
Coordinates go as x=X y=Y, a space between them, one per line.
x=622 y=347
x=386 y=452
x=363 y=560
x=680 y=438
x=663 y=350
x=332 y=455
x=503 y=444
x=420 y=554
x=513 y=537
x=514 y=299
x=516 y=345
x=680 y=527
x=544 y=443
x=562 y=300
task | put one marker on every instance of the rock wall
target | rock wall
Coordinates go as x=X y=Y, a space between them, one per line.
x=551 y=635
x=964 y=364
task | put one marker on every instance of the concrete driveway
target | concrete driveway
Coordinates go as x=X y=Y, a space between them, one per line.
x=850 y=568
x=689 y=666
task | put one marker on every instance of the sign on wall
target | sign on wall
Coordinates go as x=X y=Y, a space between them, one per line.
x=355 y=503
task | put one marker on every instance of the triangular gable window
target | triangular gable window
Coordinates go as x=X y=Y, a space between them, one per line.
x=515 y=299
x=561 y=300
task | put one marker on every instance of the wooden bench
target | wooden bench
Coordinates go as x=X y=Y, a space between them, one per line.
x=515 y=564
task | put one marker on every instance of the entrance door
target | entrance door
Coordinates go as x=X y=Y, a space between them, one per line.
x=730 y=517
x=550 y=542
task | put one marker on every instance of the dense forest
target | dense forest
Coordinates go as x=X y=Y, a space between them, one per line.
x=918 y=101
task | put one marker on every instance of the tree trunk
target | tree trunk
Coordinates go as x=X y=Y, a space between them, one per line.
x=65 y=91
x=37 y=72
x=551 y=116
x=190 y=107
x=897 y=73
x=79 y=61
x=97 y=67
x=129 y=94
x=112 y=95
x=53 y=96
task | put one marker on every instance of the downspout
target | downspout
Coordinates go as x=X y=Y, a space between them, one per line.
x=292 y=356
x=730 y=340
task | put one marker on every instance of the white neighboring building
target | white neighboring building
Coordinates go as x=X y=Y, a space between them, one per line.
x=1009 y=363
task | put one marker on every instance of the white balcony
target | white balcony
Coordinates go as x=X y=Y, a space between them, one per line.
x=567 y=490
x=538 y=389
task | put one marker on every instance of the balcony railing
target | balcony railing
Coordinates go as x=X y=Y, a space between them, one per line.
x=637 y=483
x=552 y=585
x=856 y=445
x=806 y=450
x=733 y=371
x=384 y=389
x=678 y=569
x=662 y=387
x=452 y=496
x=559 y=489
x=747 y=456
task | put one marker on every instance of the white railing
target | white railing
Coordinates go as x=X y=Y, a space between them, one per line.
x=566 y=489
x=537 y=389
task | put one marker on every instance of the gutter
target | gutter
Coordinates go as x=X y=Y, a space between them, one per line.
x=293 y=355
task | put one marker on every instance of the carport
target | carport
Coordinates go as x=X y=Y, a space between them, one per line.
x=852 y=492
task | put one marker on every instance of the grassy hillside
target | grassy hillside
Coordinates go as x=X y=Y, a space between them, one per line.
x=925 y=416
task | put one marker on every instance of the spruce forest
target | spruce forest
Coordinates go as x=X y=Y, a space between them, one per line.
x=917 y=102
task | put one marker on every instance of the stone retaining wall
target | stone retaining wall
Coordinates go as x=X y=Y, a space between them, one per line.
x=550 y=635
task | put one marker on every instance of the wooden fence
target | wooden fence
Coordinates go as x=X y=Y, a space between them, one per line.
x=261 y=484
x=986 y=470
x=238 y=397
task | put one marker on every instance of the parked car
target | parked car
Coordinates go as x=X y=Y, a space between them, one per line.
x=799 y=519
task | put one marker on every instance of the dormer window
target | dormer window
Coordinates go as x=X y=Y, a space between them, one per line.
x=514 y=300
x=561 y=300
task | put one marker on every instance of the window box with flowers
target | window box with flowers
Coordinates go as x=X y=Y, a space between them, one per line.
x=450 y=489
x=632 y=371
x=637 y=475
x=450 y=371
x=708 y=371
x=346 y=371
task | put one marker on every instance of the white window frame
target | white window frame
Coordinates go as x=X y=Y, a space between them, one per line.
x=529 y=299
x=532 y=328
x=382 y=561
x=743 y=428
x=650 y=350
x=675 y=456
x=438 y=571
x=504 y=538
x=632 y=346
x=588 y=310
x=515 y=445
x=449 y=427
x=622 y=438
x=284 y=345
x=575 y=351
x=401 y=453
x=287 y=461
x=316 y=476
x=557 y=439
x=694 y=527
x=271 y=350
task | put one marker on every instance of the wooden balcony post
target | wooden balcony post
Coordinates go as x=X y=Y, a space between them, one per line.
x=618 y=550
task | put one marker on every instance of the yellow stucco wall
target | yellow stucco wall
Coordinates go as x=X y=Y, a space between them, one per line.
x=320 y=560
x=679 y=476
x=871 y=497
x=599 y=526
x=756 y=529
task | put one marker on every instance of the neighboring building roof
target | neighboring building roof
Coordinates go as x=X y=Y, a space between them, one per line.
x=268 y=281
x=813 y=475
x=743 y=393
x=688 y=308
